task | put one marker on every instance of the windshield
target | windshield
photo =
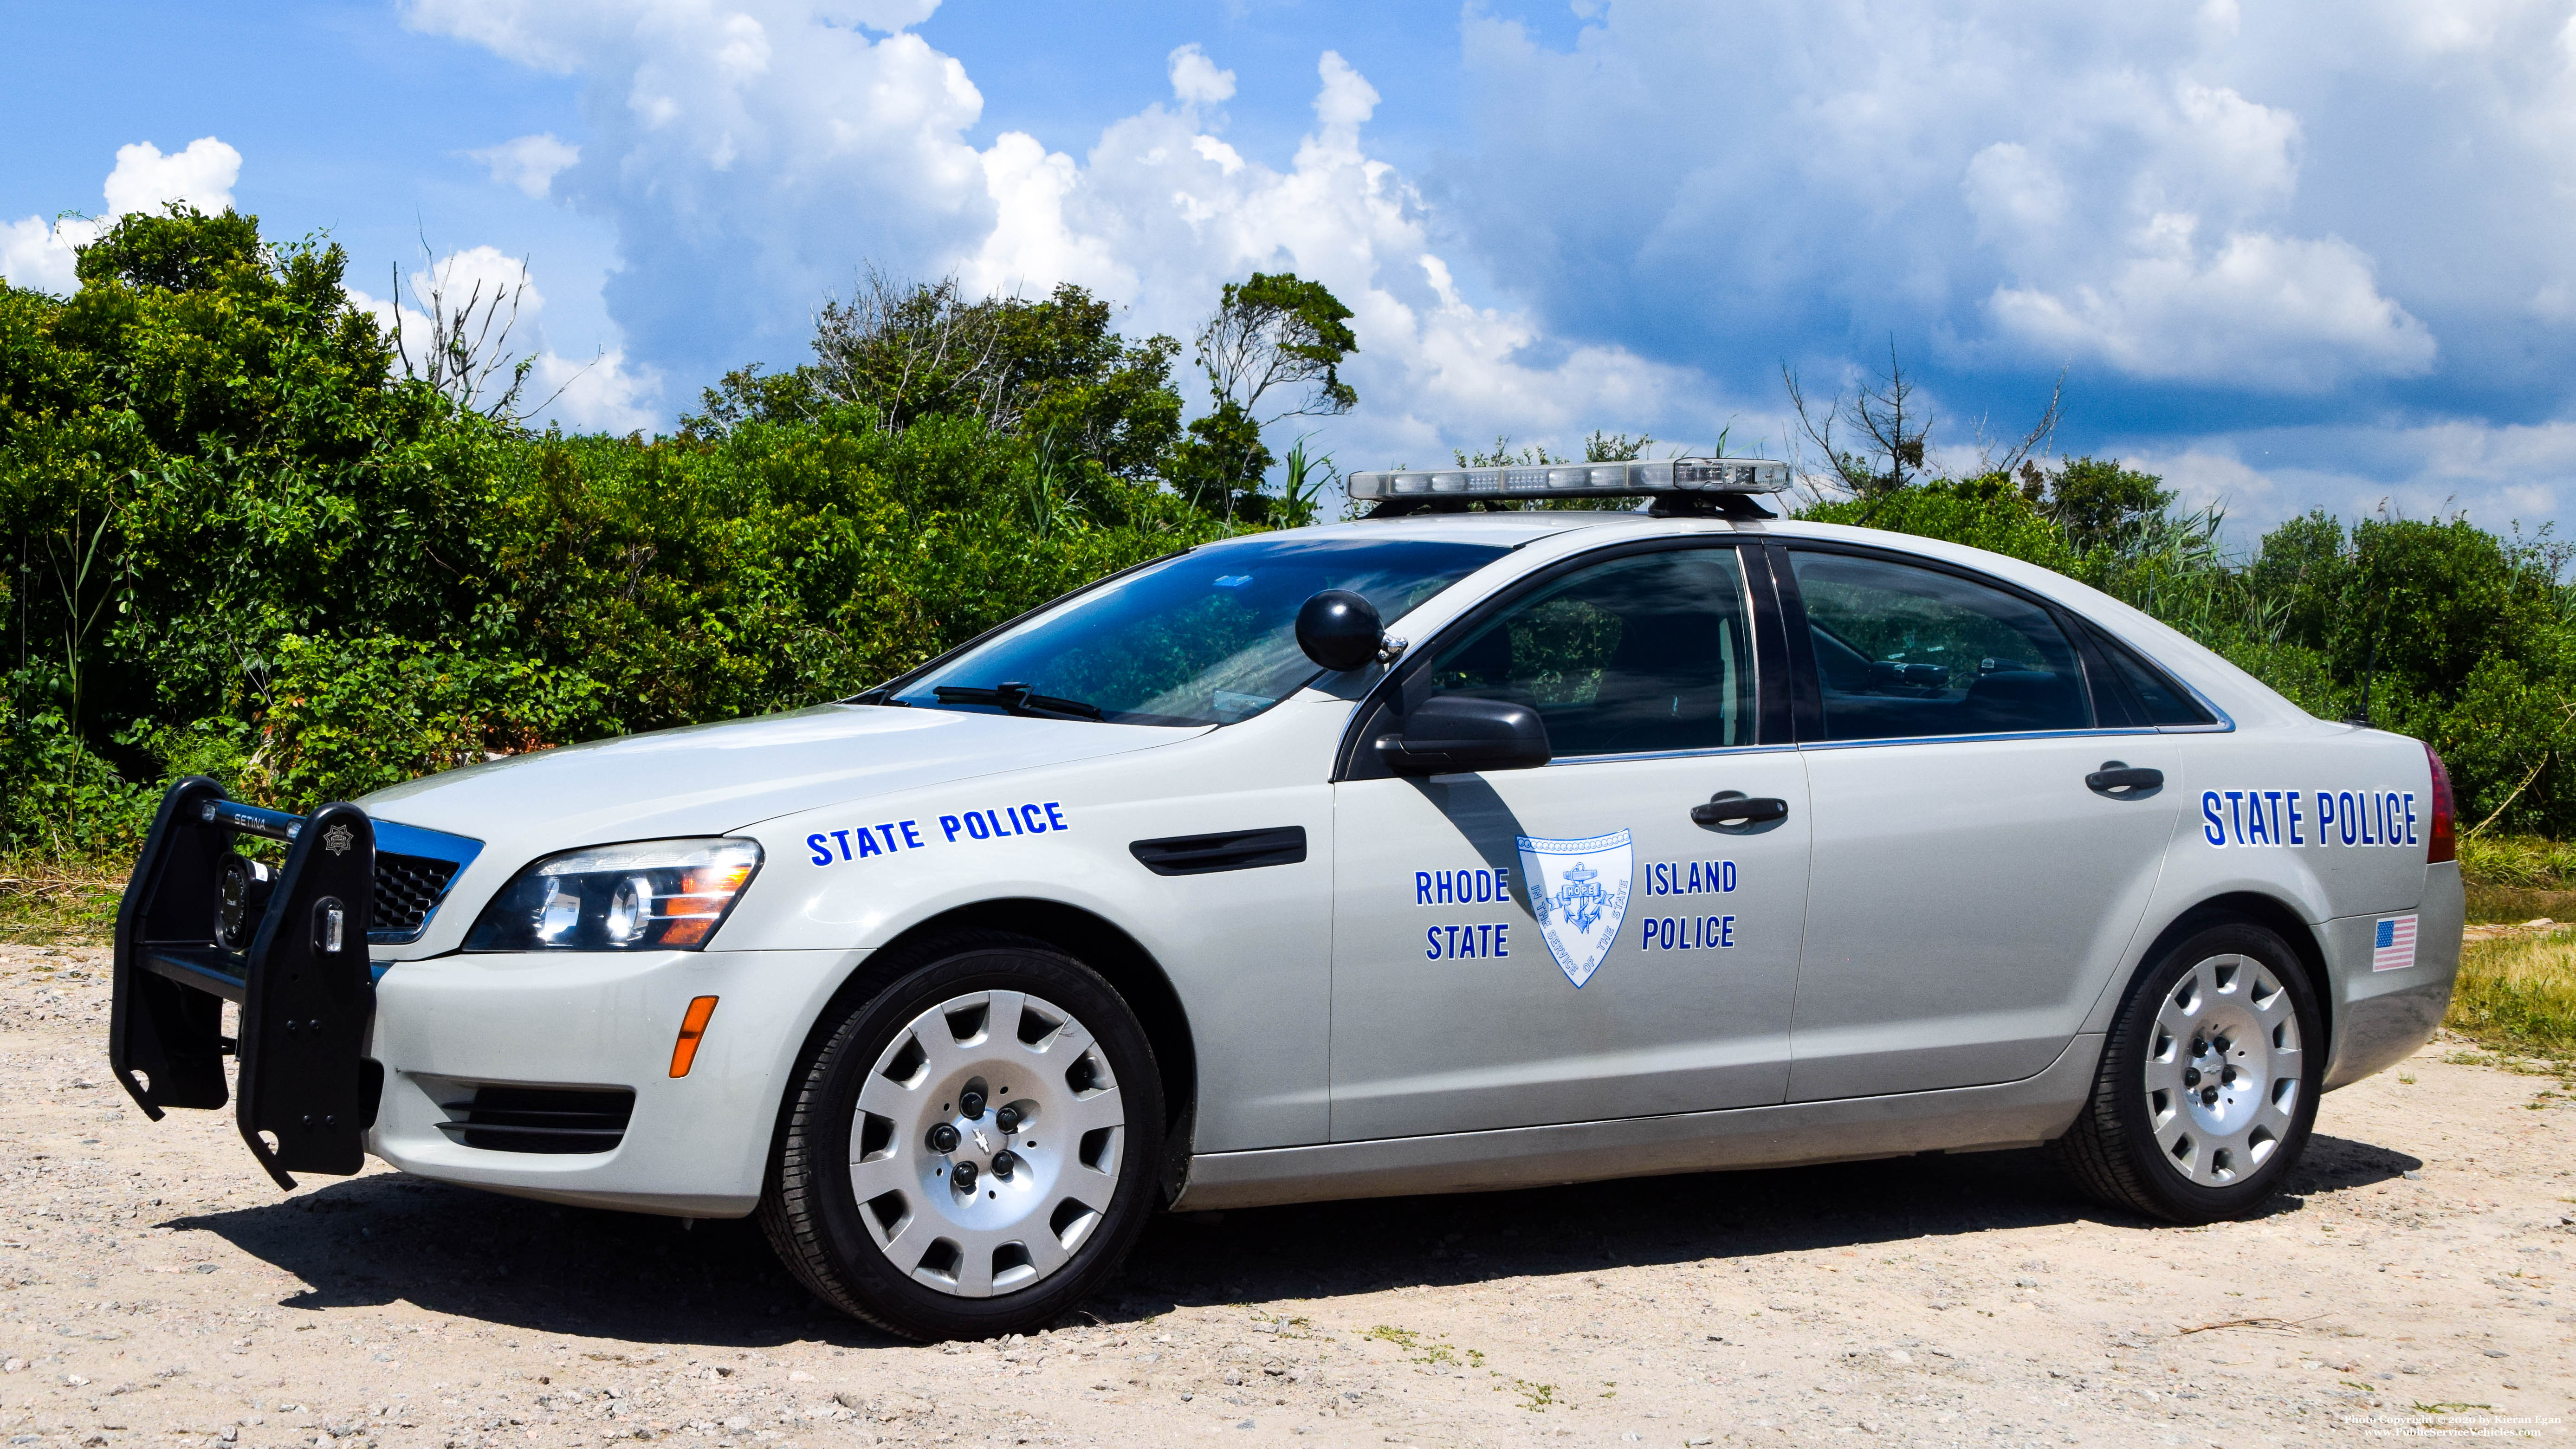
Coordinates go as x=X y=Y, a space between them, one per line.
x=1207 y=638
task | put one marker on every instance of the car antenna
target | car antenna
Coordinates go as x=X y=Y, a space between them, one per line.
x=2369 y=671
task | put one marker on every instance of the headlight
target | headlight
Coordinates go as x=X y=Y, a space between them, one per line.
x=652 y=895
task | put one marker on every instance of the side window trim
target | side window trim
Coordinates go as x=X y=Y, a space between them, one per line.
x=1806 y=689
x=1808 y=686
x=2112 y=696
x=1354 y=760
x=2102 y=641
x=1774 y=724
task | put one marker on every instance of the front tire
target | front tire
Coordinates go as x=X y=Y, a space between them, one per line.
x=2209 y=1083
x=973 y=1145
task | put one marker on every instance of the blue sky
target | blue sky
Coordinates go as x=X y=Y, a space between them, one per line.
x=2289 y=254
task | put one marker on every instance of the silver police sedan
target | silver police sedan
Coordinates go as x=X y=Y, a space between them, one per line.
x=1448 y=850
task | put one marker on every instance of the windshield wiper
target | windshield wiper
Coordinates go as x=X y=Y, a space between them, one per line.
x=1018 y=699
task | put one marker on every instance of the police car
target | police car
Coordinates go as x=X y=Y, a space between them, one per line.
x=1457 y=848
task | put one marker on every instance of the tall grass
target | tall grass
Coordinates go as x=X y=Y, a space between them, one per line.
x=2525 y=861
x=2518 y=993
x=48 y=901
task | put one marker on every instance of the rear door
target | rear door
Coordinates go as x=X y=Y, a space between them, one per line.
x=1564 y=944
x=1973 y=892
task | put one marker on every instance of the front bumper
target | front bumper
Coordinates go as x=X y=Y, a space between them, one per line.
x=694 y=1146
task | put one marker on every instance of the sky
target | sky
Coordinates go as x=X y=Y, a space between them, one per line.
x=2287 y=254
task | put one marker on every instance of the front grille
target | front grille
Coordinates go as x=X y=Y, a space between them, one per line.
x=408 y=888
x=541 y=1119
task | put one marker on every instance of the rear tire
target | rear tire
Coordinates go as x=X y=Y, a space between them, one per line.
x=2209 y=1083
x=899 y=1196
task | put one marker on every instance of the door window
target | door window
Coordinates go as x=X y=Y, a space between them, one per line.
x=1646 y=653
x=1904 y=652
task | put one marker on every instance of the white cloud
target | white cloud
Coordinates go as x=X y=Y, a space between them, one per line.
x=2163 y=298
x=1161 y=216
x=776 y=172
x=602 y=393
x=35 y=254
x=529 y=163
x=751 y=156
x=201 y=175
x=1196 y=80
x=2266 y=312
x=2018 y=183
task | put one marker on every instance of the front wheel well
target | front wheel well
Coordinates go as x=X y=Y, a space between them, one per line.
x=2253 y=908
x=1113 y=953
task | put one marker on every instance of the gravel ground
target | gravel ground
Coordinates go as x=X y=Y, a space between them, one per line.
x=159 y=1289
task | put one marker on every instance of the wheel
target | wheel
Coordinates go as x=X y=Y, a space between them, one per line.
x=974 y=1144
x=2209 y=1083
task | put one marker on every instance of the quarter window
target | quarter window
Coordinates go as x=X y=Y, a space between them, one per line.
x=2154 y=699
x=1651 y=652
x=1905 y=652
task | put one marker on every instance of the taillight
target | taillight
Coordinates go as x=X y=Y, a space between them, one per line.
x=2442 y=842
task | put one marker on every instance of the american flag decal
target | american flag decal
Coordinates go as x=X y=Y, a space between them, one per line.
x=2392 y=946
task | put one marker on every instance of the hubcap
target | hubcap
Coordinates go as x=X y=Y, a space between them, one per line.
x=981 y=1208
x=2224 y=1070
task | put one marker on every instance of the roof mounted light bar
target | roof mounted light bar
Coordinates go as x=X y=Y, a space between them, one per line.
x=1574 y=480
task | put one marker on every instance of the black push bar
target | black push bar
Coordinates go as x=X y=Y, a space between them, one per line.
x=201 y=925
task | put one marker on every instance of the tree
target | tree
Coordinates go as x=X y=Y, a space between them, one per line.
x=1890 y=421
x=1894 y=430
x=2303 y=564
x=2096 y=501
x=1279 y=338
x=468 y=346
x=1220 y=465
x=1604 y=447
x=900 y=352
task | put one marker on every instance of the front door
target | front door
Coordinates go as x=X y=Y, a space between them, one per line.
x=1564 y=944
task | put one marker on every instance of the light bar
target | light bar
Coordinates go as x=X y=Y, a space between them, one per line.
x=1577 y=480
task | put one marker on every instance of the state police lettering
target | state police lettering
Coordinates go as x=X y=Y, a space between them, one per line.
x=2308 y=817
x=1466 y=886
x=1461 y=887
x=1484 y=938
x=1000 y=822
x=1687 y=933
x=1005 y=821
x=1690 y=877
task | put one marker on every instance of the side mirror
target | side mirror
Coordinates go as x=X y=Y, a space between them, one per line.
x=1454 y=733
x=1340 y=630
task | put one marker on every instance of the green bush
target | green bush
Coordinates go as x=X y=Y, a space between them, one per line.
x=240 y=541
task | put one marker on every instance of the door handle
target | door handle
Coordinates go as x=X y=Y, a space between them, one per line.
x=1733 y=808
x=2124 y=782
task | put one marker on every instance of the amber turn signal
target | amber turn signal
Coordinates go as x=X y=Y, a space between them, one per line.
x=693 y=1027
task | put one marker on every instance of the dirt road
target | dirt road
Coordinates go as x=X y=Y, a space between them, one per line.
x=159 y=1290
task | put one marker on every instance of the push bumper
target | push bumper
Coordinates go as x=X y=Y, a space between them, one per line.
x=562 y=1038
x=2382 y=1016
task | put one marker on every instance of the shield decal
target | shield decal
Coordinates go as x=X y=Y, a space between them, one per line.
x=1578 y=890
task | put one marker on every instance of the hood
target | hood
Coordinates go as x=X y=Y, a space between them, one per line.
x=719 y=778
